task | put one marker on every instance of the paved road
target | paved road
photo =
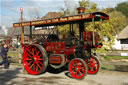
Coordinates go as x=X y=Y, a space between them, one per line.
x=16 y=76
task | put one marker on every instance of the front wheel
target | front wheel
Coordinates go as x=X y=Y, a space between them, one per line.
x=78 y=68
x=93 y=65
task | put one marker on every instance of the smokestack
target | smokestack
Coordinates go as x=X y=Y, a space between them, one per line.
x=80 y=10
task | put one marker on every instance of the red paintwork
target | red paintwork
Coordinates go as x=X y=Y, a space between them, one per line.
x=88 y=39
x=70 y=51
x=58 y=48
x=55 y=59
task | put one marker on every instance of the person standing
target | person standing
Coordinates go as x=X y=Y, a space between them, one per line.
x=4 y=50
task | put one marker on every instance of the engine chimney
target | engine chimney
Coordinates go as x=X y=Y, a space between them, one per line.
x=80 y=10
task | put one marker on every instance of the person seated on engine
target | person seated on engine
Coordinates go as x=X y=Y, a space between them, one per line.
x=71 y=38
x=62 y=37
x=52 y=38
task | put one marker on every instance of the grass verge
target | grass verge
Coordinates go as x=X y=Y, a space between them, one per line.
x=115 y=57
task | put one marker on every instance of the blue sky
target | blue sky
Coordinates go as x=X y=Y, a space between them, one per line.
x=10 y=9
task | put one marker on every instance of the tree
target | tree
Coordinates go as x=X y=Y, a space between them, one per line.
x=113 y=27
x=89 y=6
x=84 y=3
x=123 y=7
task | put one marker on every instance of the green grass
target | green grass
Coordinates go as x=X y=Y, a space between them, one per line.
x=13 y=54
x=115 y=57
x=107 y=67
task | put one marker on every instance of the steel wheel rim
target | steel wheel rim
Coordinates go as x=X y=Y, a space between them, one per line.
x=77 y=69
x=33 y=60
x=93 y=65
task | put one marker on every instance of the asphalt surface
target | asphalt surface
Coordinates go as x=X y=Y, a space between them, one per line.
x=16 y=75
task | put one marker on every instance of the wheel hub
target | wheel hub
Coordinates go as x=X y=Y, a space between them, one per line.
x=76 y=69
x=35 y=59
x=92 y=64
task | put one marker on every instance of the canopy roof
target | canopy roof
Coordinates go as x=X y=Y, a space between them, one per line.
x=123 y=34
x=86 y=17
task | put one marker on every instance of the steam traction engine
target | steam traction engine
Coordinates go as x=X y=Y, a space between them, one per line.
x=54 y=52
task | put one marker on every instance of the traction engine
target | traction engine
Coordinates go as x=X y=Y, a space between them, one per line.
x=71 y=52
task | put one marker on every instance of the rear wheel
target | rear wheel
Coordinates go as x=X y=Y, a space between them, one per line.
x=93 y=65
x=35 y=59
x=78 y=68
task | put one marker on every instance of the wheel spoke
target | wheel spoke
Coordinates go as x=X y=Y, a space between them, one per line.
x=29 y=55
x=29 y=62
x=80 y=72
x=76 y=73
x=92 y=69
x=40 y=55
x=78 y=63
x=40 y=59
x=33 y=51
x=30 y=52
x=94 y=61
x=37 y=53
x=39 y=66
x=82 y=68
x=36 y=67
x=28 y=59
x=32 y=65
x=41 y=63
x=95 y=67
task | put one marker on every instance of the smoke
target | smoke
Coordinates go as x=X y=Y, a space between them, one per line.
x=70 y=4
x=3 y=30
x=33 y=8
x=33 y=12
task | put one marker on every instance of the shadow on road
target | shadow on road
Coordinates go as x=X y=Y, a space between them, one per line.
x=8 y=75
x=55 y=71
x=125 y=83
x=68 y=74
x=120 y=68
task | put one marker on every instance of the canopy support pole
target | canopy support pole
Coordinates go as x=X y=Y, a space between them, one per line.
x=93 y=36
x=101 y=30
x=30 y=32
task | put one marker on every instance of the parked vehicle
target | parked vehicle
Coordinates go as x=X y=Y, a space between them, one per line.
x=74 y=52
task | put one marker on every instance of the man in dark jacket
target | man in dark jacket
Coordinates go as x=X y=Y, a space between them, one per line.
x=4 y=50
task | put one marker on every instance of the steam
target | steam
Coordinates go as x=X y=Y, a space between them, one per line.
x=33 y=12
x=3 y=30
x=70 y=4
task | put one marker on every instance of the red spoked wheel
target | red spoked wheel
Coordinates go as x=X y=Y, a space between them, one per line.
x=93 y=65
x=78 y=68
x=35 y=59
